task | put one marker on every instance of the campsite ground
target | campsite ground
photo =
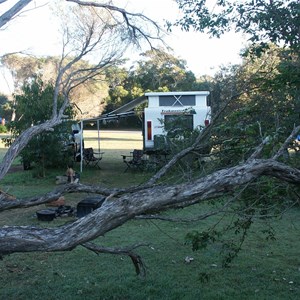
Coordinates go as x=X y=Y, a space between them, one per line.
x=264 y=269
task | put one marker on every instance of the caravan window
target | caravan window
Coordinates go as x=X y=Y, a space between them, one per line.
x=177 y=100
x=176 y=124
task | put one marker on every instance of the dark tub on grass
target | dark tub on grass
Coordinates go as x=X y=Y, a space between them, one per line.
x=87 y=205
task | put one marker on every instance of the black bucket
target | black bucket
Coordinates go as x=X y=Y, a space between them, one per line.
x=87 y=205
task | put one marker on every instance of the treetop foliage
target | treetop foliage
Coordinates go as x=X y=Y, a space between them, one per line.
x=277 y=21
x=157 y=70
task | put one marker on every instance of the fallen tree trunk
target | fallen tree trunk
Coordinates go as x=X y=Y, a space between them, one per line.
x=118 y=209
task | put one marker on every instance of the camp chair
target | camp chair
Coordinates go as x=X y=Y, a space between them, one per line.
x=135 y=160
x=92 y=158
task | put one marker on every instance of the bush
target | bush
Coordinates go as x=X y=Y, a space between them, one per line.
x=34 y=106
x=3 y=128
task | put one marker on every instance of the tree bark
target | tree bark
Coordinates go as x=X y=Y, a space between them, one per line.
x=115 y=211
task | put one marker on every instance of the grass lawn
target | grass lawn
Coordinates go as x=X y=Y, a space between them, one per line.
x=264 y=269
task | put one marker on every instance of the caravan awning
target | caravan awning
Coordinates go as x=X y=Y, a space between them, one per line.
x=129 y=106
x=123 y=111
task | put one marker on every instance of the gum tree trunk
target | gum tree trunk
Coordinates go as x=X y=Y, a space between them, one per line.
x=119 y=208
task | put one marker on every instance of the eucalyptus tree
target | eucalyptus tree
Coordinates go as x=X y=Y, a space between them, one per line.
x=87 y=99
x=159 y=69
x=98 y=31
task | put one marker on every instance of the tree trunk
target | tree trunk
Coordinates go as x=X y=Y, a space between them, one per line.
x=116 y=210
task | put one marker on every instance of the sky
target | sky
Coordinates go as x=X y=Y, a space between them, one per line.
x=35 y=32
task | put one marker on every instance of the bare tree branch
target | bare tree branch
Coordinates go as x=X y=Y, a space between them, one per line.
x=128 y=17
x=284 y=146
x=259 y=149
x=11 y=13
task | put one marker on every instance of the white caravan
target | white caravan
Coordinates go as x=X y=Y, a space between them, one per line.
x=164 y=108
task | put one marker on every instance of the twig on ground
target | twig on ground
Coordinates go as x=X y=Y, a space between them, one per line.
x=136 y=259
